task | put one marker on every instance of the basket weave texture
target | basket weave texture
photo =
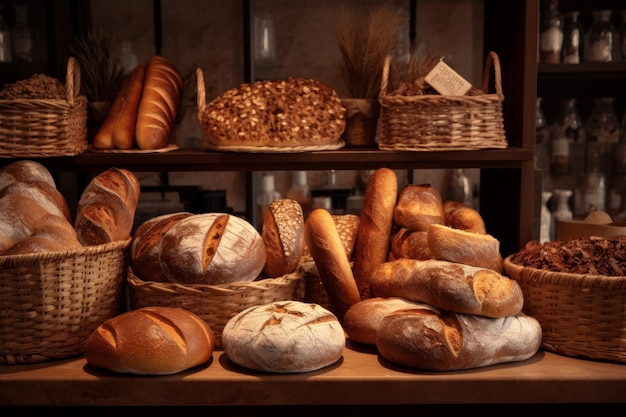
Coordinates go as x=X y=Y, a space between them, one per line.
x=51 y=302
x=581 y=315
x=46 y=127
x=215 y=304
x=432 y=122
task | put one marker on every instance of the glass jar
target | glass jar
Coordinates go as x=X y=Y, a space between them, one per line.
x=551 y=34
x=567 y=139
x=592 y=188
x=572 y=37
x=601 y=40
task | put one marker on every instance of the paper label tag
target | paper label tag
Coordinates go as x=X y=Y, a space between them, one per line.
x=447 y=81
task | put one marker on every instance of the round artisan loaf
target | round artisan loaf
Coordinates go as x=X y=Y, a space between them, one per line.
x=445 y=341
x=461 y=216
x=407 y=243
x=25 y=171
x=212 y=249
x=449 y=286
x=463 y=246
x=284 y=337
x=151 y=341
x=418 y=206
x=347 y=226
x=55 y=234
x=146 y=244
x=363 y=319
x=282 y=232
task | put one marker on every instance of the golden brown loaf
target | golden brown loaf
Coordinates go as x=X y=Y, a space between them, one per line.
x=125 y=126
x=151 y=341
x=25 y=170
x=449 y=286
x=54 y=234
x=160 y=104
x=212 y=249
x=284 y=337
x=20 y=216
x=418 y=206
x=376 y=222
x=463 y=246
x=278 y=113
x=460 y=216
x=43 y=194
x=282 y=233
x=106 y=208
x=347 y=226
x=446 y=341
x=407 y=243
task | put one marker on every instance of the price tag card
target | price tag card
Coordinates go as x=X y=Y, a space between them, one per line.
x=447 y=81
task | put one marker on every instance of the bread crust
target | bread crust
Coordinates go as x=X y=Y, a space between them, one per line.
x=463 y=246
x=418 y=206
x=282 y=233
x=407 y=243
x=460 y=216
x=123 y=134
x=347 y=226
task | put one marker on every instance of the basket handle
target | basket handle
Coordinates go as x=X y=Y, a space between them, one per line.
x=493 y=60
x=72 y=80
x=201 y=95
x=384 y=79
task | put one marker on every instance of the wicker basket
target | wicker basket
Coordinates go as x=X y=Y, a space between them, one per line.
x=45 y=127
x=51 y=302
x=580 y=315
x=215 y=304
x=434 y=122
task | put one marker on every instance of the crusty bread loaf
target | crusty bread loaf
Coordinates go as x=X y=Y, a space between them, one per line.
x=347 y=226
x=212 y=248
x=407 y=243
x=25 y=170
x=445 y=341
x=54 y=234
x=376 y=222
x=326 y=248
x=418 y=206
x=103 y=139
x=160 y=104
x=279 y=113
x=106 y=208
x=282 y=233
x=449 y=286
x=20 y=216
x=123 y=134
x=43 y=194
x=463 y=246
x=146 y=244
x=151 y=341
x=284 y=337
x=363 y=319
x=460 y=216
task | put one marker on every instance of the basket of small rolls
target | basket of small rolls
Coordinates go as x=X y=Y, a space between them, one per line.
x=60 y=277
x=217 y=264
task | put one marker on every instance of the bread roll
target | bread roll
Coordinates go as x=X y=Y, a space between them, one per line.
x=347 y=226
x=106 y=208
x=284 y=337
x=466 y=247
x=449 y=286
x=282 y=232
x=376 y=221
x=460 y=216
x=146 y=244
x=363 y=319
x=55 y=234
x=212 y=249
x=160 y=104
x=418 y=206
x=324 y=243
x=446 y=341
x=407 y=243
x=124 y=130
x=25 y=170
x=151 y=341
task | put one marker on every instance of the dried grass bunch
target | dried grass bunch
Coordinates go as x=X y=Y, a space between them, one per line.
x=366 y=37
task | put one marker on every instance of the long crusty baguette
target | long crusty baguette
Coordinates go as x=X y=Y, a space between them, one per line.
x=449 y=286
x=103 y=139
x=376 y=221
x=159 y=105
x=445 y=341
x=124 y=131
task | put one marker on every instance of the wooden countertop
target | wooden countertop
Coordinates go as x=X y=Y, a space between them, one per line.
x=360 y=377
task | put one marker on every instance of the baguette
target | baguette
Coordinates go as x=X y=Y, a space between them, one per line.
x=103 y=139
x=463 y=246
x=449 y=286
x=376 y=221
x=124 y=131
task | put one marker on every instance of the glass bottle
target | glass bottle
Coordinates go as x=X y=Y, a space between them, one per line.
x=563 y=211
x=572 y=38
x=593 y=185
x=546 y=218
x=264 y=43
x=542 y=153
x=551 y=34
x=266 y=196
x=22 y=35
x=567 y=138
x=459 y=187
x=601 y=40
x=300 y=192
x=5 y=40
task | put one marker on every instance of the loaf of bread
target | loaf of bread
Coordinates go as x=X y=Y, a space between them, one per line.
x=151 y=341
x=160 y=104
x=407 y=243
x=449 y=286
x=445 y=341
x=54 y=234
x=363 y=319
x=282 y=233
x=347 y=226
x=146 y=245
x=327 y=250
x=460 y=216
x=418 y=206
x=123 y=134
x=463 y=246
x=20 y=216
x=277 y=113
x=212 y=249
x=376 y=222
x=48 y=197
x=106 y=208
x=25 y=170
x=284 y=337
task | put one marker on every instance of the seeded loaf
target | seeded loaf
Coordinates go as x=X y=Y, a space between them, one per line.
x=278 y=113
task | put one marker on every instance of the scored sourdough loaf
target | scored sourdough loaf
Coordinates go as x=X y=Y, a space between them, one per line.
x=151 y=341
x=449 y=286
x=282 y=232
x=275 y=113
x=446 y=341
x=463 y=246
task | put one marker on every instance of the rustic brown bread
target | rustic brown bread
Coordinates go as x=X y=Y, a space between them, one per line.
x=347 y=226
x=54 y=234
x=20 y=216
x=418 y=206
x=463 y=246
x=460 y=216
x=43 y=194
x=278 y=113
x=282 y=233
x=25 y=170
x=123 y=134
x=407 y=243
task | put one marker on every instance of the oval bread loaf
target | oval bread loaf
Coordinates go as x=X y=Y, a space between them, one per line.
x=284 y=337
x=282 y=232
x=25 y=170
x=418 y=206
x=460 y=216
x=463 y=246
x=449 y=286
